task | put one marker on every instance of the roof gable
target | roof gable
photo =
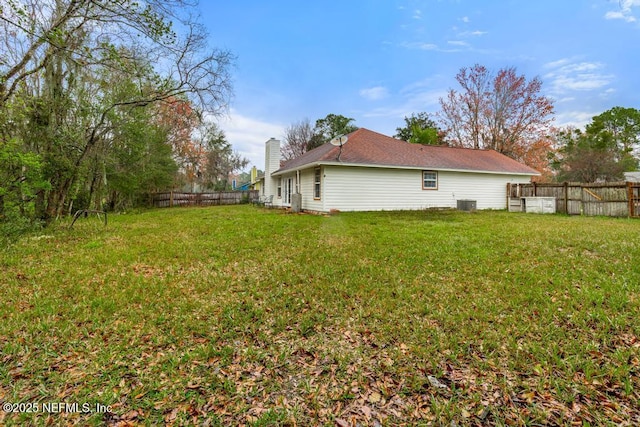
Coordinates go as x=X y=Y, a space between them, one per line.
x=367 y=148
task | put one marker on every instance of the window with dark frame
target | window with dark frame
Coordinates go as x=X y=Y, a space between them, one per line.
x=429 y=180
x=316 y=183
x=279 y=188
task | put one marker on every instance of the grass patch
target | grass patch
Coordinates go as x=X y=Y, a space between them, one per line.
x=238 y=315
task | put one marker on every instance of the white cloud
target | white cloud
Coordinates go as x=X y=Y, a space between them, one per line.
x=248 y=135
x=423 y=95
x=427 y=100
x=417 y=14
x=565 y=99
x=465 y=19
x=620 y=15
x=579 y=87
x=374 y=93
x=576 y=119
x=583 y=67
x=420 y=45
x=416 y=97
x=558 y=63
x=584 y=82
x=625 y=11
x=567 y=76
x=453 y=46
x=475 y=33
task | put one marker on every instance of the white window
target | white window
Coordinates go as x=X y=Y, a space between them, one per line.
x=316 y=183
x=279 y=188
x=429 y=180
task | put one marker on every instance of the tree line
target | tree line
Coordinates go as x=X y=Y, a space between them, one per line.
x=102 y=101
x=505 y=111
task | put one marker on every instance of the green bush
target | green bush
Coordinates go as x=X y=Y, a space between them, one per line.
x=13 y=225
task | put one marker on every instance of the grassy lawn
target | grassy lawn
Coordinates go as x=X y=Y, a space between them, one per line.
x=240 y=315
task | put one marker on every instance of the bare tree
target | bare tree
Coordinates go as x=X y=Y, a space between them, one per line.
x=502 y=111
x=462 y=113
x=296 y=139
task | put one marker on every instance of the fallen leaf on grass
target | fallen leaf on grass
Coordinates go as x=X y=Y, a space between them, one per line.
x=435 y=382
x=374 y=397
x=528 y=397
x=366 y=411
x=483 y=412
x=131 y=415
x=171 y=416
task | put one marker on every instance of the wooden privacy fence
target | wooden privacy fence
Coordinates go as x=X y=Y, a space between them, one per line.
x=608 y=198
x=174 y=198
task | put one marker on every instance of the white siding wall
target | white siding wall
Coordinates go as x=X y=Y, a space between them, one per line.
x=370 y=189
x=277 y=201
x=307 y=177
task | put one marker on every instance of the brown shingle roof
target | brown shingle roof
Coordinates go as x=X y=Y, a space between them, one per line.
x=367 y=148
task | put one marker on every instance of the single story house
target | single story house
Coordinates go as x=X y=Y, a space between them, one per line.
x=368 y=171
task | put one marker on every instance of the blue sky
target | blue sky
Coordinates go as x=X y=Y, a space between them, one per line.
x=379 y=61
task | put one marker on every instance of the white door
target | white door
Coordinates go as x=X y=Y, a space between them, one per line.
x=288 y=189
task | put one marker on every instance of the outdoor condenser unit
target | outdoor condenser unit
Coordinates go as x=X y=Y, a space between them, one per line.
x=466 y=205
x=296 y=202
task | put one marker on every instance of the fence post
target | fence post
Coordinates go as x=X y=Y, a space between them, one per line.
x=566 y=197
x=171 y=199
x=508 y=196
x=632 y=212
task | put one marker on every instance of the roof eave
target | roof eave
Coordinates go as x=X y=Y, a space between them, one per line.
x=298 y=168
x=280 y=172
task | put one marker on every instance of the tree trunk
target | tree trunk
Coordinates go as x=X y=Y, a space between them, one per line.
x=56 y=200
x=41 y=206
x=92 y=191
